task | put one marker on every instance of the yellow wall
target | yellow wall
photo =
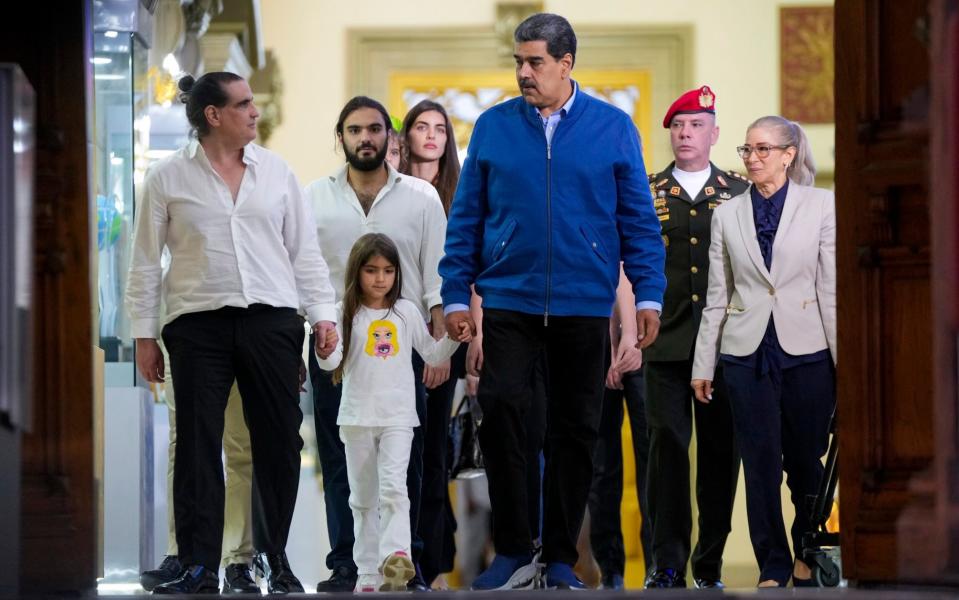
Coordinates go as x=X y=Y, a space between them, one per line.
x=736 y=52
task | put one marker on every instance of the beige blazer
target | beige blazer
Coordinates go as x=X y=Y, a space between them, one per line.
x=799 y=292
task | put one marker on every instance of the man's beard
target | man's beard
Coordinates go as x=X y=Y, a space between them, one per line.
x=366 y=164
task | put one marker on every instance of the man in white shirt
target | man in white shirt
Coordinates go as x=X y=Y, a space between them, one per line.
x=368 y=195
x=244 y=258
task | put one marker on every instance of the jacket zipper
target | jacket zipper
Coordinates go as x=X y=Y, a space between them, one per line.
x=549 y=226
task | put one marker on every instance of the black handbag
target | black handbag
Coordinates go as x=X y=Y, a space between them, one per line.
x=465 y=459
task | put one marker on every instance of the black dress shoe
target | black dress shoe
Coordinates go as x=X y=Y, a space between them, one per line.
x=193 y=580
x=279 y=576
x=706 y=583
x=665 y=578
x=168 y=570
x=239 y=580
x=808 y=582
x=418 y=584
x=343 y=579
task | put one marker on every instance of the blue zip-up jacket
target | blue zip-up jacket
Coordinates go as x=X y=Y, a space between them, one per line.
x=542 y=230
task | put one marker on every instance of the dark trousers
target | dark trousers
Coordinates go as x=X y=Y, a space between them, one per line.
x=606 y=494
x=336 y=486
x=782 y=424
x=260 y=348
x=414 y=472
x=574 y=347
x=670 y=410
x=437 y=523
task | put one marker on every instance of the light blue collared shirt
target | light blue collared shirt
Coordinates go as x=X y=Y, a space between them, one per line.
x=550 y=122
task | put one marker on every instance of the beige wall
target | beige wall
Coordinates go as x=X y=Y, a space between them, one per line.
x=736 y=51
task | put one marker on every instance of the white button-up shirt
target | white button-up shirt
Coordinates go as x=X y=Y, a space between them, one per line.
x=260 y=249
x=407 y=209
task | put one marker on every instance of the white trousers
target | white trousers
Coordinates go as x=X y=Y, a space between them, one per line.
x=376 y=463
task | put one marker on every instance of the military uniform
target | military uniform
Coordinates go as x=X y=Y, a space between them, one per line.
x=670 y=405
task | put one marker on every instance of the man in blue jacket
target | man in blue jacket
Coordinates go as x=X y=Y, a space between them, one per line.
x=552 y=197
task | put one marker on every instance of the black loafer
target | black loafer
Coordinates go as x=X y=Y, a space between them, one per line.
x=279 y=576
x=193 y=580
x=665 y=578
x=239 y=580
x=168 y=570
x=343 y=579
x=706 y=583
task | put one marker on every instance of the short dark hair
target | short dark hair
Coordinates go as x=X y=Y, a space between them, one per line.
x=552 y=29
x=208 y=90
x=359 y=102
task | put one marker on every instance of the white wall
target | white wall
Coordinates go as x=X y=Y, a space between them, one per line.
x=736 y=52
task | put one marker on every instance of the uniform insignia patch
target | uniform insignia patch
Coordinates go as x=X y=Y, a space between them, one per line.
x=664 y=217
x=674 y=191
x=713 y=205
x=666 y=240
x=710 y=190
x=662 y=210
x=725 y=195
x=661 y=194
x=721 y=181
x=662 y=182
x=659 y=202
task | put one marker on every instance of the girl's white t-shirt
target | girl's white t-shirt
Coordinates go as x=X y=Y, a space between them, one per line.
x=378 y=387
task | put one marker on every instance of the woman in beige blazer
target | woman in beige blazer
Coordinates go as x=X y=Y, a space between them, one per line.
x=770 y=317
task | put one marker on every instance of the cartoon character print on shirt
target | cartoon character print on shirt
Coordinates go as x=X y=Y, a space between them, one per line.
x=382 y=340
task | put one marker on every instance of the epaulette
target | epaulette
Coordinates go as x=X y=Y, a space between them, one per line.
x=736 y=175
x=652 y=177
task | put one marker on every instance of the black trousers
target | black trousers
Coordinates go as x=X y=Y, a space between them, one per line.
x=670 y=410
x=336 y=486
x=606 y=494
x=260 y=348
x=574 y=347
x=782 y=425
x=437 y=522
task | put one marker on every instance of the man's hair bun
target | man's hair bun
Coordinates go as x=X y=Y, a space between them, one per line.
x=185 y=84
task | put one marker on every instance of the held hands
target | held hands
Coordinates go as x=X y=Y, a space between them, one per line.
x=326 y=338
x=149 y=360
x=647 y=327
x=460 y=326
x=626 y=359
x=703 y=389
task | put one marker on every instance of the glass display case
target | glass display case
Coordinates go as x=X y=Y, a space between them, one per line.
x=121 y=130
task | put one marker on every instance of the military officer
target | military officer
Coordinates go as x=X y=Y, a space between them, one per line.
x=685 y=194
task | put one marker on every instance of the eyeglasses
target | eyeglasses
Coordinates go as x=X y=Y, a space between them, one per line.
x=761 y=151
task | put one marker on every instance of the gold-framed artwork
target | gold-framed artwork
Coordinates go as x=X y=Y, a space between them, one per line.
x=807 y=63
x=466 y=94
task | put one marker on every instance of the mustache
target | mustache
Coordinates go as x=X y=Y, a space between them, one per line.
x=365 y=146
x=526 y=83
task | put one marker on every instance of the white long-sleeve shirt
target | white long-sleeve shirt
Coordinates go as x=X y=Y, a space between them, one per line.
x=378 y=386
x=407 y=209
x=260 y=249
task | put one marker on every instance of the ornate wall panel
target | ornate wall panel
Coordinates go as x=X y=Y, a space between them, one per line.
x=665 y=53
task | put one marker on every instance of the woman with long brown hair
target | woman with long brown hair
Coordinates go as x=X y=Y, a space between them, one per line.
x=429 y=153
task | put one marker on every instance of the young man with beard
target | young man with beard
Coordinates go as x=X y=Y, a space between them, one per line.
x=367 y=195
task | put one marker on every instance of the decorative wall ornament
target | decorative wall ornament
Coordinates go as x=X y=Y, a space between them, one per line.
x=465 y=95
x=508 y=16
x=807 y=63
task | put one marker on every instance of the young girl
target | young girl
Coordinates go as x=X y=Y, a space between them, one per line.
x=378 y=331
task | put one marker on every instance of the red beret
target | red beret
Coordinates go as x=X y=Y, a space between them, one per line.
x=694 y=101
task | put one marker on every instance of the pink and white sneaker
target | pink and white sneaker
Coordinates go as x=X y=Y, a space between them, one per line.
x=397 y=571
x=367 y=583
